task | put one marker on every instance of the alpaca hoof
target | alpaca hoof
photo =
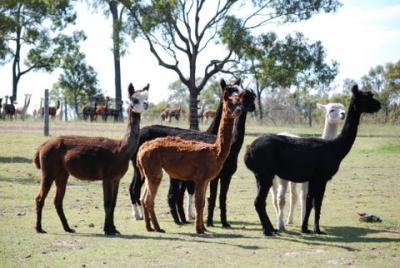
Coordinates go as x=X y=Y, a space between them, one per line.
x=40 y=231
x=69 y=230
x=160 y=230
x=319 y=232
x=200 y=231
x=149 y=229
x=112 y=233
x=178 y=223
x=305 y=231
x=185 y=222
x=210 y=224
x=268 y=233
x=226 y=225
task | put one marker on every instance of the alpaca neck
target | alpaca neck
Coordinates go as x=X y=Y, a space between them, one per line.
x=349 y=132
x=330 y=131
x=130 y=140
x=214 y=126
x=238 y=132
x=224 y=138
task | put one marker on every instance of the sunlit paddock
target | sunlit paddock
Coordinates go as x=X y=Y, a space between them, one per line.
x=366 y=182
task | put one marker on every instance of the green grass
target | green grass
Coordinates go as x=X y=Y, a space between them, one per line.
x=368 y=180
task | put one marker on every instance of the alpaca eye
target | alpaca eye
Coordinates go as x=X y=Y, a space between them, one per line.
x=135 y=101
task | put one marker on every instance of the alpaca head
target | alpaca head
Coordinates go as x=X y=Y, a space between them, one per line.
x=232 y=105
x=364 y=102
x=334 y=112
x=138 y=99
x=247 y=99
x=232 y=88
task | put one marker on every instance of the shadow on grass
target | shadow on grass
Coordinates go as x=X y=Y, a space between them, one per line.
x=15 y=159
x=340 y=236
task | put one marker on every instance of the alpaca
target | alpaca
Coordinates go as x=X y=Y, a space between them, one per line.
x=101 y=110
x=90 y=159
x=21 y=111
x=53 y=109
x=116 y=113
x=90 y=112
x=186 y=160
x=9 y=109
x=209 y=113
x=155 y=131
x=304 y=159
x=334 y=115
x=174 y=113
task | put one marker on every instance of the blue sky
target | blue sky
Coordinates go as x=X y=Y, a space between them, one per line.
x=361 y=35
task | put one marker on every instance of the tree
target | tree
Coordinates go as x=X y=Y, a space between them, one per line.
x=35 y=26
x=291 y=62
x=78 y=80
x=178 y=29
x=121 y=29
x=178 y=94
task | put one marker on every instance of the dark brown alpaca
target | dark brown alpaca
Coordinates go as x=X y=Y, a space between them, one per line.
x=89 y=158
x=102 y=110
x=174 y=113
x=9 y=109
x=90 y=112
x=186 y=160
x=53 y=109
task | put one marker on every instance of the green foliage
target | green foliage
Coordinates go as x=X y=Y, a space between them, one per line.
x=211 y=95
x=178 y=94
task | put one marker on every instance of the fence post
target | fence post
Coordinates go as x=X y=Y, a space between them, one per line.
x=46 y=112
x=65 y=110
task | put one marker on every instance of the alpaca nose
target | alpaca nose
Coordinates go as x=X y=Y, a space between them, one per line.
x=145 y=105
x=238 y=111
x=342 y=116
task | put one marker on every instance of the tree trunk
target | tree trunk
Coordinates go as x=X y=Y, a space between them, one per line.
x=117 y=56
x=193 y=118
x=261 y=114
x=15 y=67
x=76 y=106
x=310 y=114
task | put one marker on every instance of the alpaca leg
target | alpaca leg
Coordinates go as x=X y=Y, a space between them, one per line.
x=190 y=186
x=40 y=197
x=211 y=201
x=173 y=193
x=302 y=198
x=179 y=201
x=115 y=188
x=146 y=210
x=134 y=191
x=319 y=196
x=61 y=184
x=281 y=202
x=108 y=194
x=263 y=185
x=274 y=195
x=293 y=197
x=199 y=203
x=149 y=203
x=225 y=182
x=309 y=204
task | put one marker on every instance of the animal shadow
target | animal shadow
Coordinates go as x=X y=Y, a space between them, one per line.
x=15 y=159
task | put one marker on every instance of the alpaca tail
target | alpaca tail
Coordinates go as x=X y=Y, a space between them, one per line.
x=36 y=159
x=248 y=158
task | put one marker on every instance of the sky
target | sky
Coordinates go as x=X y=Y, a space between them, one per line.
x=359 y=36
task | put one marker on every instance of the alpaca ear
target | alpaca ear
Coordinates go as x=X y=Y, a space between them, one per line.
x=355 y=90
x=223 y=84
x=146 y=87
x=226 y=95
x=237 y=82
x=321 y=107
x=131 y=89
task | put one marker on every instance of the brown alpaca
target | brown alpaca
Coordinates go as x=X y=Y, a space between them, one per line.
x=89 y=158
x=9 y=109
x=101 y=110
x=186 y=160
x=53 y=109
x=209 y=113
x=174 y=113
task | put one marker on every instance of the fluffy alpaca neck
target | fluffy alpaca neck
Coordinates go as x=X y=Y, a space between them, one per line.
x=349 y=132
x=214 y=126
x=224 y=138
x=330 y=130
x=131 y=138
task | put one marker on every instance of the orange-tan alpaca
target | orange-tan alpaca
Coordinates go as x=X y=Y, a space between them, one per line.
x=89 y=158
x=186 y=160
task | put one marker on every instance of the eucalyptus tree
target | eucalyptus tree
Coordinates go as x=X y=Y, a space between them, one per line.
x=186 y=36
x=32 y=28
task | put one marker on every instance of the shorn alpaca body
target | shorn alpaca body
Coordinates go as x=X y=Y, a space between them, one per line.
x=186 y=160
x=21 y=111
x=156 y=131
x=90 y=112
x=334 y=115
x=89 y=158
x=304 y=159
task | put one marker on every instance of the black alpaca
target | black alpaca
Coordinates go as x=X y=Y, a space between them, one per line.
x=304 y=159
x=156 y=131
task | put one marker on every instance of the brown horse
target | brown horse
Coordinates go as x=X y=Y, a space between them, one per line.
x=186 y=160
x=89 y=158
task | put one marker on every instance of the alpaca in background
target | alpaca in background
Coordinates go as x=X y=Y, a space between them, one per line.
x=304 y=159
x=334 y=116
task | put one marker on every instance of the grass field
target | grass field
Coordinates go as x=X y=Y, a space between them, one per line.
x=368 y=181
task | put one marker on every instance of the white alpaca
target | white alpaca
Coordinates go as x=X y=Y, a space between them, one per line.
x=334 y=115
